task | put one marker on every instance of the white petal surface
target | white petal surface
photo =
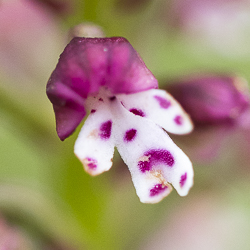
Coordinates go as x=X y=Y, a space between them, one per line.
x=160 y=107
x=95 y=143
x=153 y=159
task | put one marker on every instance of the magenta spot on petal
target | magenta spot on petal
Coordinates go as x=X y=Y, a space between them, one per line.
x=105 y=130
x=164 y=103
x=92 y=164
x=157 y=189
x=144 y=166
x=100 y=99
x=130 y=135
x=93 y=111
x=178 y=120
x=112 y=98
x=183 y=179
x=155 y=157
x=137 y=112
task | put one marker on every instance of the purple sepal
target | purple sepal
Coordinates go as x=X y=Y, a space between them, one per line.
x=87 y=64
x=211 y=100
x=68 y=107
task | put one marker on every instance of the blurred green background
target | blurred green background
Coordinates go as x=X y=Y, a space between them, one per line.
x=44 y=191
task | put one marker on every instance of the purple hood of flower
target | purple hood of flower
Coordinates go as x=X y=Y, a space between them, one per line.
x=87 y=64
x=211 y=100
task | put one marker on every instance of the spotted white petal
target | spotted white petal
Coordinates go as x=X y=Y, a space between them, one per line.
x=150 y=188
x=152 y=157
x=160 y=107
x=95 y=143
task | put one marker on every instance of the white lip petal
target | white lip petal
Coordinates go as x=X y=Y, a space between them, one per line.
x=160 y=107
x=153 y=159
x=95 y=144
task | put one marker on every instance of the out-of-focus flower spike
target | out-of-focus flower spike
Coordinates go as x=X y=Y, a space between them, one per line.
x=212 y=99
x=154 y=160
x=160 y=107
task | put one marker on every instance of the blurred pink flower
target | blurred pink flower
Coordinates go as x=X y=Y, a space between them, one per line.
x=30 y=43
x=30 y=36
x=212 y=99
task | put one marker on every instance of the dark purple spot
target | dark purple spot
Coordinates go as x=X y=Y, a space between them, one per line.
x=91 y=163
x=112 y=98
x=178 y=120
x=155 y=157
x=164 y=103
x=100 y=99
x=130 y=135
x=144 y=166
x=183 y=179
x=93 y=111
x=137 y=112
x=157 y=189
x=105 y=130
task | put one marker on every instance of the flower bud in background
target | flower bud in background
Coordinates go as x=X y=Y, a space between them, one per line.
x=212 y=100
x=86 y=29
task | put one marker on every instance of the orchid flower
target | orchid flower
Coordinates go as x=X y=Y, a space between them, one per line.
x=106 y=78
